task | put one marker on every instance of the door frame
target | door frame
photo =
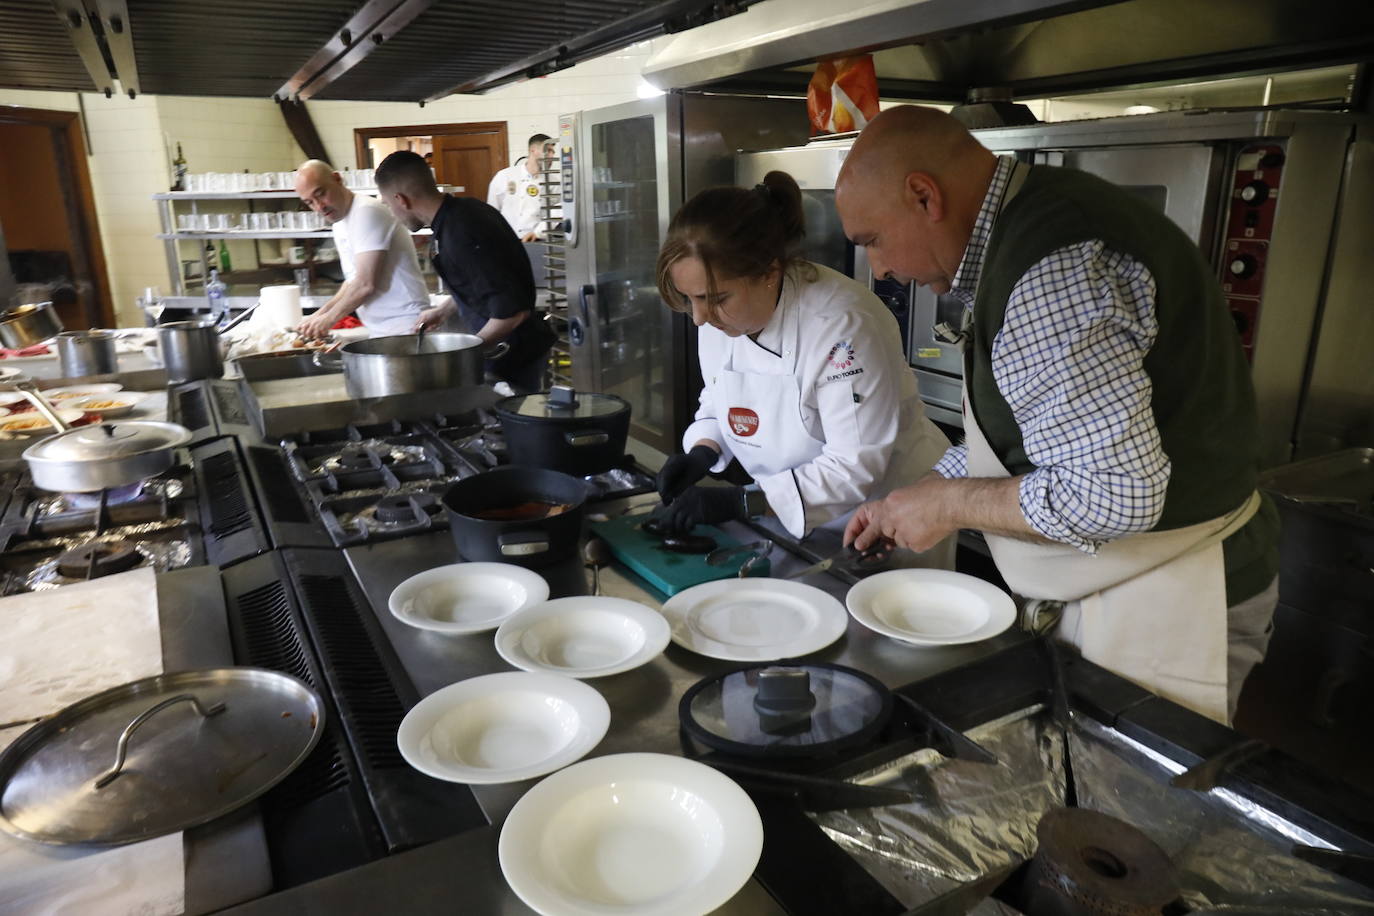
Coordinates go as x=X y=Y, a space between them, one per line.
x=361 y=135
x=69 y=152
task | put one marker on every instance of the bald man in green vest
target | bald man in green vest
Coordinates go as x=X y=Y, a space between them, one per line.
x=1111 y=451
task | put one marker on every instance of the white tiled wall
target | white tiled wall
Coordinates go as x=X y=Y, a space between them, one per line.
x=132 y=143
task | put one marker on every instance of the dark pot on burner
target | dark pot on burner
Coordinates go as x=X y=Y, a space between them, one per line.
x=576 y=432
x=496 y=516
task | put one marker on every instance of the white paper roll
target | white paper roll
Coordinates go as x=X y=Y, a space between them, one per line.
x=280 y=308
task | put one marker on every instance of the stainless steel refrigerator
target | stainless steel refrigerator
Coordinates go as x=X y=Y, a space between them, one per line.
x=632 y=166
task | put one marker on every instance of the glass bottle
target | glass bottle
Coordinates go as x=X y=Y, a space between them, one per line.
x=215 y=291
x=224 y=262
x=179 y=171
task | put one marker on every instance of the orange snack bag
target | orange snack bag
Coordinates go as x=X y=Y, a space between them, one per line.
x=843 y=95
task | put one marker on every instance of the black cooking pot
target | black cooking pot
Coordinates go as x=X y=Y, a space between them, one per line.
x=578 y=433
x=513 y=530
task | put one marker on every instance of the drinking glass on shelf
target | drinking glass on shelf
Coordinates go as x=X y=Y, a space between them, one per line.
x=186 y=222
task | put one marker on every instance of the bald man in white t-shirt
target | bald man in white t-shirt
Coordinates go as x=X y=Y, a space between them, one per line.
x=382 y=281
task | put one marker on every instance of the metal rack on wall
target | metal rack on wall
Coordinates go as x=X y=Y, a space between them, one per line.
x=555 y=270
x=265 y=272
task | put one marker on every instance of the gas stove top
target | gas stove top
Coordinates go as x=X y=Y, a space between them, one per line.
x=384 y=481
x=48 y=540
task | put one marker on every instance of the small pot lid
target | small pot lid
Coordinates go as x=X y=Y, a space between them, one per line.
x=563 y=404
x=788 y=710
x=109 y=440
x=197 y=745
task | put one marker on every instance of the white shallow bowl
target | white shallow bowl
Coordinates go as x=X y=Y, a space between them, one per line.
x=642 y=834
x=466 y=597
x=754 y=620
x=11 y=374
x=68 y=392
x=11 y=423
x=127 y=402
x=503 y=727
x=583 y=637
x=931 y=607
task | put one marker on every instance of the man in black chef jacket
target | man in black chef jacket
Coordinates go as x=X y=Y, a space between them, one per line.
x=481 y=262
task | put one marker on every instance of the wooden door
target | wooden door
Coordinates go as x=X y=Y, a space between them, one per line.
x=47 y=217
x=469 y=161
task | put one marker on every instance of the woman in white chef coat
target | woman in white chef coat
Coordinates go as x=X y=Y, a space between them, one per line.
x=806 y=383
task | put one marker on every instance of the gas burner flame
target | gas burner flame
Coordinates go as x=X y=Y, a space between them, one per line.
x=115 y=496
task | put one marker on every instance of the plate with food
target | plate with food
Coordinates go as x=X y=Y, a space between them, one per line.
x=71 y=392
x=109 y=406
x=33 y=423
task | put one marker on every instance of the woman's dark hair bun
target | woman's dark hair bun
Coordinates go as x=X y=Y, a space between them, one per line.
x=786 y=197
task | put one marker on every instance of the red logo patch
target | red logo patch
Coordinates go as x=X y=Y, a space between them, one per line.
x=743 y=421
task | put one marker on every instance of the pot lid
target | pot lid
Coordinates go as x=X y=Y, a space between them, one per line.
x=564 y=404
x=793 y=710
x=109 y=440
x=197 y=745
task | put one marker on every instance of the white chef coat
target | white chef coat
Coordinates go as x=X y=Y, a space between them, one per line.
x=863 y=430
x=400 y=295
x=516 y=193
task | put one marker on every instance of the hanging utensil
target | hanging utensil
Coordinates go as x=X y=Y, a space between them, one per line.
x=419 y=339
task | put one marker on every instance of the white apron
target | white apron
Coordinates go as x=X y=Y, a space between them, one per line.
x=1150 y=607
x=763 y=414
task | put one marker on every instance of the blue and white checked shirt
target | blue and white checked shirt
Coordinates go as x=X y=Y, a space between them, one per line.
x=1069 y=361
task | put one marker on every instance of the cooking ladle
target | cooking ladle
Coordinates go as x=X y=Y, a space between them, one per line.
x=596 y=554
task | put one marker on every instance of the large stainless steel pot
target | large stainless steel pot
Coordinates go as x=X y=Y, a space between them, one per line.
x=26 y=325
x=409 y=363
x=190 y=350
x=103 y=456
x=82 y=353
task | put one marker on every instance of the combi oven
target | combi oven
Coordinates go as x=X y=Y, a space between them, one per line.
x=1279 y=200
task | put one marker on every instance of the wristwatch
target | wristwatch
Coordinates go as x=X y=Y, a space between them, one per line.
x=755 y=503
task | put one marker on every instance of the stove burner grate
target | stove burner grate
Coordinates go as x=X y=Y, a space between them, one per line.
x=370 y=454
x=94 y=561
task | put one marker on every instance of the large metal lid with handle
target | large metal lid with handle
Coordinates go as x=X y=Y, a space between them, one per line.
x=157 y=755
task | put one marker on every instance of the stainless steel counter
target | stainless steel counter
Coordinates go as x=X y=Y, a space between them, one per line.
x=462 y=874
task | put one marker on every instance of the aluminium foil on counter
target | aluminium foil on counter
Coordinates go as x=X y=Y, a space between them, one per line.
x=973 y=820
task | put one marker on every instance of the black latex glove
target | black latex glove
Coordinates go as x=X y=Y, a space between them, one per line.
x=681 y=471
x=700 y=506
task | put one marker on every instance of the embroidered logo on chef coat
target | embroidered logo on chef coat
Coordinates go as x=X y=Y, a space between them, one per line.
x=510 y=187
x=841 y=356
x=532 y=190
x=743 y=421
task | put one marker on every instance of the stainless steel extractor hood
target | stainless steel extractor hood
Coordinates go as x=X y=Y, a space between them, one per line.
x=942 y=49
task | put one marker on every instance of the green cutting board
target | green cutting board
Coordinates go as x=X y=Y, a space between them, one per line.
x=666 y=571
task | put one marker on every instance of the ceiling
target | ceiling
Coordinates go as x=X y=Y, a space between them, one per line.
x=373 y=50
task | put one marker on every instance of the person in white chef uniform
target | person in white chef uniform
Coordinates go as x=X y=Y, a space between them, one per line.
x=806 y=384
x=382 y=280
x=515 y=190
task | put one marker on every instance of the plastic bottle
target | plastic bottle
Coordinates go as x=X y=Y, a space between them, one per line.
x=215 y=291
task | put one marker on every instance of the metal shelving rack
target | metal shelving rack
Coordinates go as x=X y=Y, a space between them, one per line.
x=555 y=270
x=170 y=236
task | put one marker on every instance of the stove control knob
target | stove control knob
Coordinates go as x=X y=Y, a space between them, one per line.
x=1243 y=266
x=1255 y=193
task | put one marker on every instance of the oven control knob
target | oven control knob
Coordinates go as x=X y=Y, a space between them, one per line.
x=1255 y=193
x=1243 y=266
